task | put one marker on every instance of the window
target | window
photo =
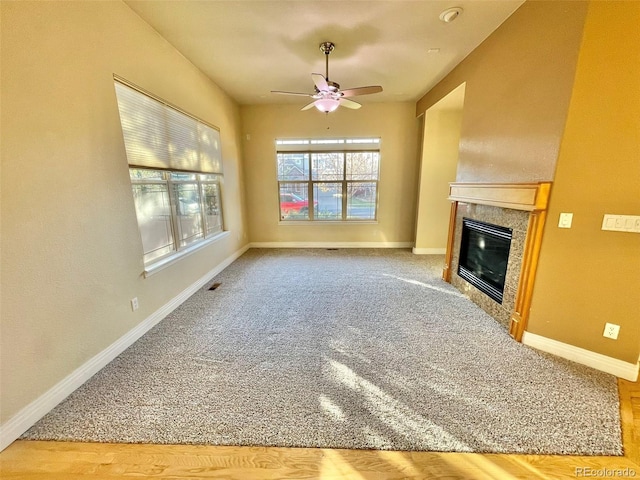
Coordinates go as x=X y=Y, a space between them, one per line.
x=175 y=209
x=338 y=177
x=176 y=174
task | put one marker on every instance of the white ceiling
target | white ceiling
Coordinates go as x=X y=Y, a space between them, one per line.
x=249 y=48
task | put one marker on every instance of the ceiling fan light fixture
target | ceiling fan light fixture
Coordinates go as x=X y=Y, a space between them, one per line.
x=326 y=105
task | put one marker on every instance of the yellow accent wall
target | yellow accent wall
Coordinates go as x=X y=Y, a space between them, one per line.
x=554 y=94
x=71 y=251
x=394 y=123
x=518 y=86
x=587 y=276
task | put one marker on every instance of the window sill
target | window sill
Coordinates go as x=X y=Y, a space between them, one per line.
x=327 y=222
x=155 y=267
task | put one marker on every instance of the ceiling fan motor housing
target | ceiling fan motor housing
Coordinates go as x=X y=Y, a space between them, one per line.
x=333 y=86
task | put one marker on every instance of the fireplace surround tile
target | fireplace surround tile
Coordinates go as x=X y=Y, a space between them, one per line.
x=518 y=221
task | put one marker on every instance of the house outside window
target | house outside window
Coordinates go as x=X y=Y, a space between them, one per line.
x=328 y=179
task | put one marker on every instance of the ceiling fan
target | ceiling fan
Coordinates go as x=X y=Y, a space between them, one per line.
x=328 y=96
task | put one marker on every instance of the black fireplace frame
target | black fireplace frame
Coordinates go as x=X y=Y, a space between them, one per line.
x=501 y=236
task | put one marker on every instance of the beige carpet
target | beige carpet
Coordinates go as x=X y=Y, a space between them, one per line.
x=340 y=349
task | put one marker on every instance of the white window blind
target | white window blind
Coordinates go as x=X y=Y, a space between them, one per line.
x=159 y=136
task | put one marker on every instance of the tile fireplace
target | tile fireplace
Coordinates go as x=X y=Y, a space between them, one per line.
x=517 y=211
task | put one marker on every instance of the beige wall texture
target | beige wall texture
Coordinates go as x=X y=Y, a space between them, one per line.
x=71 y=252
x=518 y=85
x=587 y=276
x=438 y=166
x=394 y=123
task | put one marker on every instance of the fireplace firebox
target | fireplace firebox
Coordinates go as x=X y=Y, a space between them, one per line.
x=484 y=254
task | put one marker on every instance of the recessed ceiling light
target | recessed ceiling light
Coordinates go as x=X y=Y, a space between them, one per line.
x=433 y=50
x=450 y=14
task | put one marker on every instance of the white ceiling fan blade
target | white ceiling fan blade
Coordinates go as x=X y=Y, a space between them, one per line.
x=308 y=106
x=349 y=104
x=352 y=92
x=280 y=92
x=320 y=81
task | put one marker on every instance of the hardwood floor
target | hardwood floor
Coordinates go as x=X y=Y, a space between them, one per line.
x=64 y=460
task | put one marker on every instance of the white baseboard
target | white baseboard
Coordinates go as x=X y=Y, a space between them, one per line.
x=626 y=370
x=429 y=251
x=331 y=244
x=33 y=412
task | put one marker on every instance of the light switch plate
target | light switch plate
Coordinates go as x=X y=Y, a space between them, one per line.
x=565 y=220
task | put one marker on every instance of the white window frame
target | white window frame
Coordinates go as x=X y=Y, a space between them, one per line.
x=340 y=146
x=208 y=232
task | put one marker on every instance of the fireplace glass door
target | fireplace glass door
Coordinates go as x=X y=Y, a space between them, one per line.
x=484 y=254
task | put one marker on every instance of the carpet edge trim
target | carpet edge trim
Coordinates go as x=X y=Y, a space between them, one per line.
x=29 y=415
x=614 y=366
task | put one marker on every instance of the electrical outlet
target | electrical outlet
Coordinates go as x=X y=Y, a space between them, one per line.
x=134 y=303
x=611 y=331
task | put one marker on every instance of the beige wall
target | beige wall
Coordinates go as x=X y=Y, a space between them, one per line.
x=518 y=85
x=397 y=126
x=71 y=251
x=587 y=276
x=438 y=166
